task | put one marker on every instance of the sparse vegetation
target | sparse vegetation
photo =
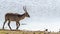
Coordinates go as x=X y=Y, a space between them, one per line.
x=33 y=32
x=24 y=32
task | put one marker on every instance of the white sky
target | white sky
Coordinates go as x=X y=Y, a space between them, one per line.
x=44 y=14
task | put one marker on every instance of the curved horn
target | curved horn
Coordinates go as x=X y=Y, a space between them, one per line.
x=24 y=8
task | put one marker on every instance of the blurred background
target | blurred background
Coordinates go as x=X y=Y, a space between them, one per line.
x=44 y=14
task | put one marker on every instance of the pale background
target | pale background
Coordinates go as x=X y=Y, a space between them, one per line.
x=44 y=14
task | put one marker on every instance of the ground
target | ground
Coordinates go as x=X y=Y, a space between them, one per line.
x=25 y=32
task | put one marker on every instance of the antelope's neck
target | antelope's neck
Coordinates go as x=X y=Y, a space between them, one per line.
x=22 y=16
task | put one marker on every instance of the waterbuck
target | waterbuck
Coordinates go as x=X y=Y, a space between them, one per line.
x=15 y=17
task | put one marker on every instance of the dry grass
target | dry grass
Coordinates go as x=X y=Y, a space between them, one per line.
x=24 y=32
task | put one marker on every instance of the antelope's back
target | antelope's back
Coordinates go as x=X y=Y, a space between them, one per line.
x=11 y=16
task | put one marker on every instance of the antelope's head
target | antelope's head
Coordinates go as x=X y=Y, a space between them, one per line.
x=26 y=13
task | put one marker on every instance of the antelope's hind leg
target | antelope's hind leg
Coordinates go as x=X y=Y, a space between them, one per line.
x=17 y=24
x=9 y=25
x=4 y=23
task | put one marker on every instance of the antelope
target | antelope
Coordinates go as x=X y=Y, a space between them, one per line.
x=15 y=17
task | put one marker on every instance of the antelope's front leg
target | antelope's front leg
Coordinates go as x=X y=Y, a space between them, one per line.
x=17 y=24
x=9 y=25
x=4 y=24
